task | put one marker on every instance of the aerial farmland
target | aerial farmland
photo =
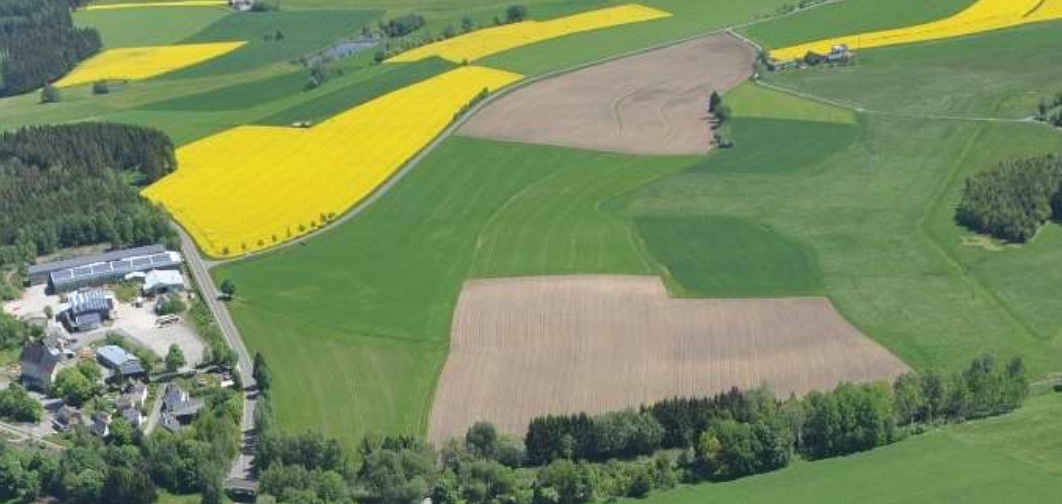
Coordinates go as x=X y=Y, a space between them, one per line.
x=547 y=251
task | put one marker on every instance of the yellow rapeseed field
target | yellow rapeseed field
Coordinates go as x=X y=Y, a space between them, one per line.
x=253 y=187
x=134 y=63
x=984 y=15
x=488 y=41
x=174 y=3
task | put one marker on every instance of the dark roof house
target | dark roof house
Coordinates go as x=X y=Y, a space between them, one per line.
x=39 y=365
x=67 y=418
x=178 y=408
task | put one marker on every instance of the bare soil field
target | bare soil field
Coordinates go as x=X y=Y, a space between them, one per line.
x=651 y=103
x=522 y=347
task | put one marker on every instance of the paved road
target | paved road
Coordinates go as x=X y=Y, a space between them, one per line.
x=221 y=314
x=241 y=467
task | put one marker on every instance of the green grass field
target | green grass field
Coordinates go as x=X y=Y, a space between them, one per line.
x=814 y=200
x=372 y=83
x=724 y=257
x=362 y=311
x=127 y=28
x=995 y=74
x=303 y=33
x=855 y=207
x=852 y=16
x=973 y=464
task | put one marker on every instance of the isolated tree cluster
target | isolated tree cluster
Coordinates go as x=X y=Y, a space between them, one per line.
x=1014 y=200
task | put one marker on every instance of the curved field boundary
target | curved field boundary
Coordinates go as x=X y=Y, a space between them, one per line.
x=461 y=120
x=252 y=187
x=482 y=43
x=523 y=347
x=652 y=103
x=139 y=63
x=982 y=16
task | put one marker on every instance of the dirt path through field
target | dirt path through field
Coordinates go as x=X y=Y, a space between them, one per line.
x=522 y=347
x=651 y=103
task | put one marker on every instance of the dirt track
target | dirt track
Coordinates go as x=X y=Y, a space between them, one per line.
x=523 y=347
x=652 y=103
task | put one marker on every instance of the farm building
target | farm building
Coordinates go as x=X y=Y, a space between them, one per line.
x=38 y=273
x=64 y=276
x=87 y=310
x=39 y=365
x=162 y=281
x=123 y=363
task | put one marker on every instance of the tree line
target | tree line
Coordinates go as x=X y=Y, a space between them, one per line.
x=74 y=185
x=573 y=459
x=127 y=467
x=1013 y=200
x=403 y=26
x=40 y=43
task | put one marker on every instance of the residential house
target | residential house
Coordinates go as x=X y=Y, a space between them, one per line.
x=67 y=418
x=178 y=409
x=101 y=424
x=39 y=365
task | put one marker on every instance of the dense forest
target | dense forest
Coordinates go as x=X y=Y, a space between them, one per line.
x=576 y=459
x=1014 y=200
x=73 y=185
x=39 y=43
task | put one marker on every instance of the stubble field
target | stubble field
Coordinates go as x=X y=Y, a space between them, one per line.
x=652 y=103
x=523 y=347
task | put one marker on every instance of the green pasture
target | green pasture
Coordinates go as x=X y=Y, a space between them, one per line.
x=718 y=257
x=370 y=84
x=358 y=318
x=858 y=209
x=149 y=26
x=852 y=17
x=751 y=101
x=995 y=74
x=972 y=464
x=303 y=34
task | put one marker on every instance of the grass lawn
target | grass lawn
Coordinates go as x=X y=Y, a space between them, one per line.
x=972 y=463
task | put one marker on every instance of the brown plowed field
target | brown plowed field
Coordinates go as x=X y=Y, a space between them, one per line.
x=523 y=347
x=651 y=103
